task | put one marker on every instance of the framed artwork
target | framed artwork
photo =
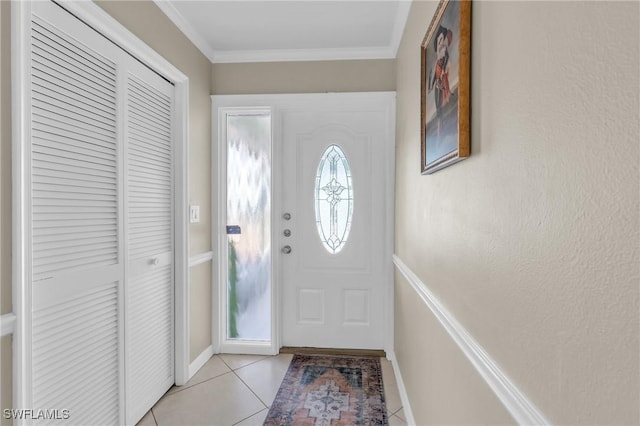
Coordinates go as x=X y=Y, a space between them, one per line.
x=445 y=121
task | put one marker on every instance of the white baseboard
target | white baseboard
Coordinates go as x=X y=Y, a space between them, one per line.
x=8 y=324
x=514 y=400
x=404 y=397
x=200 y=361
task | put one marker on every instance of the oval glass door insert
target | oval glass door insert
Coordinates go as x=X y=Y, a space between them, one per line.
x=334 y=199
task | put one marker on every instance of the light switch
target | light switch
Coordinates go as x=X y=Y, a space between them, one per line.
x=194 y=214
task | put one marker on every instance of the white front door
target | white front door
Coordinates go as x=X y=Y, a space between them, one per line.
x=326 y=248
x=335 y=229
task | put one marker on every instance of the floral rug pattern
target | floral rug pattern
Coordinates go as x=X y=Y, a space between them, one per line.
x=330 y=391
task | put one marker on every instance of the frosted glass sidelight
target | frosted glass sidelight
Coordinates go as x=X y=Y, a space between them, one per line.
x=249 y=208
x=334 y=199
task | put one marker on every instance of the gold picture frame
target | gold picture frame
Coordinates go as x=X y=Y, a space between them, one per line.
x=445 y=111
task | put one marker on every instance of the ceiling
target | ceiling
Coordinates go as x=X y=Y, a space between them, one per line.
x=290 y=30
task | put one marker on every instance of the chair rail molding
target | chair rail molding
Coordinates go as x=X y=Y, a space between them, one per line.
x=8 y=324
x=514 y=400
x=200 y=258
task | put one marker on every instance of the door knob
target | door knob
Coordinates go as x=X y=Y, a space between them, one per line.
x=286 y=249
x=155 y=261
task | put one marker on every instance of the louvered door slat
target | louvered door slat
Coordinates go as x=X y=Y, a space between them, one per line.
x=92 y=343
x=141 y=151
x=43 y=89
x=62 y=43
x=72 y=76
x=56 y=375
x=75 y=221
x=161 y=103
x=48 y=168
x=150 y=123
x=58 y=142
x=156 y=116
x=148 y=135
x=47 y=53
x=82 y=126
x=147 y=144
x=146 y=168
x=72 y=202
x=141 y=180
x=48 y=100
x=80 y=63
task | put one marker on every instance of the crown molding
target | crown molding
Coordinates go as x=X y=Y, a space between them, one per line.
x=288 y=55
x=402 y=15
x=292 y=55
x=183 y=25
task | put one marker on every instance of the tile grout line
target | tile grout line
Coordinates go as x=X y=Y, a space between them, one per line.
x=399 y=418
x=396 y=412
x=154 y=416
x=246 y=418
x=242 y=366
x=249 y=387
x=385 y=385
x=183 y=388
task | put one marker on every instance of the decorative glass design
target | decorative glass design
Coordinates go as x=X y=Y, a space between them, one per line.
x=249 y=226
x=334 y=199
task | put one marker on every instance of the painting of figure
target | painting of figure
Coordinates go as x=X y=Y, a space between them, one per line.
x=445 y=86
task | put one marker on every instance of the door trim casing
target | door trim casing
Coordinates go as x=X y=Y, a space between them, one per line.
x=219 y=110
x=278 y=102
x=101 y=21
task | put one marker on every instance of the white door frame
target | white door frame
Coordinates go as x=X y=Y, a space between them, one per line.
x=278 y=103
x=104 y=23
x=219 y=109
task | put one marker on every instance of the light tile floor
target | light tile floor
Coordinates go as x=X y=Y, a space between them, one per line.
x=238 y=390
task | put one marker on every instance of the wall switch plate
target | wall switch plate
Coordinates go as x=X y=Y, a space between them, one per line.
x=194 y=214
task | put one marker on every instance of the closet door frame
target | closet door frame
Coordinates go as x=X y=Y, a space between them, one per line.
x=101 y=21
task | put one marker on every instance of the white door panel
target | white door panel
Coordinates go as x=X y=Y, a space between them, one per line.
x=76 y=221
x=336 y=300
x=149 y=330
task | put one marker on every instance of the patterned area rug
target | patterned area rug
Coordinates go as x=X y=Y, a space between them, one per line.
x=330 y=391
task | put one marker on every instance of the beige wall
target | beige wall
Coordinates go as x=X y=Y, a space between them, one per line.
x=200 y=308
x=303 y=77
x=533 y=242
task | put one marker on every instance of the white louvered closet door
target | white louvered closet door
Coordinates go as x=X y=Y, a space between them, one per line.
x=101 y=225
x=77 y=264
x=149 y=286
